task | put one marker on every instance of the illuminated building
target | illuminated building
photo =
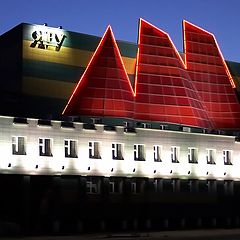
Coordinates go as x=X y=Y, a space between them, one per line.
x=148 y=139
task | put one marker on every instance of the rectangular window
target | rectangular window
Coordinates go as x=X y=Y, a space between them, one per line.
x=111 y=187
x=185 y=186
x=175 y=154
x=70 y=148
x=192 y=155
x=117 y=151
x=228 y=187
x=212 y=186
x=137 y=185
x=139 y=152
x=92 y=186
x=194 y=185
x=156 y=185
x=94 y=150
x=176 y=185
x=45 y=147
x=115 y=186
x=168 y=185
x=146 y=125
x=133 y=187
x=211 y=153
x=18 y=145
x=157 y=151
x=227 y=157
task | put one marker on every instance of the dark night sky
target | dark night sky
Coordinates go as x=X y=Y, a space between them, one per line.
x=220 y=17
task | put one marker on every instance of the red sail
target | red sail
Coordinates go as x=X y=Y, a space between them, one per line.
x=104 y=88
x=164 y=91
x=211 y=76
x=197 y=91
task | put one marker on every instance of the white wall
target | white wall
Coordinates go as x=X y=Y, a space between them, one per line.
x=25 y=164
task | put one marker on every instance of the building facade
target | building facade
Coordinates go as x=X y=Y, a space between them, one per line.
x=148 y=139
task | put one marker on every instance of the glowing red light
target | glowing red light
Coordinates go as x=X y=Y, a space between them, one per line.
x=85 y=75
x=218 y=48
x=183 y=71
x=86 y=70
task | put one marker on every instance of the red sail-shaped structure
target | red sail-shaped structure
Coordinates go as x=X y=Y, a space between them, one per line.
x=104 y=88
x=164 y=91
x=197 y=91
x=211 y=77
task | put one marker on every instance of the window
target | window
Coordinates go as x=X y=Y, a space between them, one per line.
x=156 y=185
x=139 y=152
x=157 y=151
x=117 y=151
x=115 y=186
x=192 y=155
x=146 y=125
x=176 y=185
x=194 y=185
x=168 y=185
x=203 y=186
x=212 y=186
x=70 y=148
x=18 y=145
x=94 y=150
x=45 y=147
x=227 y=157
x=228 y=187
x=175 y=154
x=92 y=186
x=133 y=187
x=137 y=185
x=111 y=187
x=185 y=186
x=211 y=153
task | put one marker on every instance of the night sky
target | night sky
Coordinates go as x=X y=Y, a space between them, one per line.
x=92 y=17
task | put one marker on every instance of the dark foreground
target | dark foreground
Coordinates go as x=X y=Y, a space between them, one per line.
x=221 y=234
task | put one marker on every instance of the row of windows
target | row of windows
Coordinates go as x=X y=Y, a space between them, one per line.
x=118 y=186
x=70 y=147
